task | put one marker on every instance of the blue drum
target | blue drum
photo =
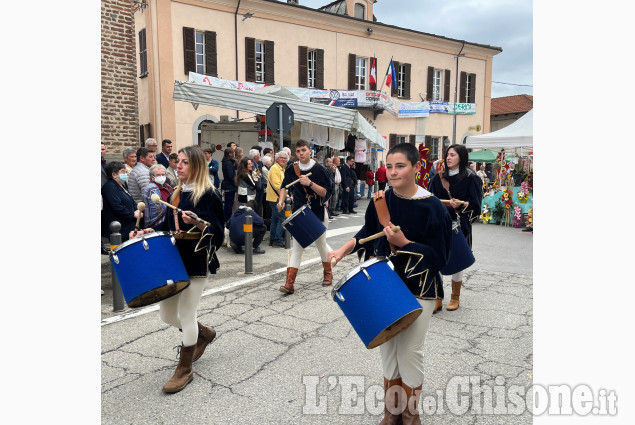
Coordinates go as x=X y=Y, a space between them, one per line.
x=149 y=269
x=461 y=256
x=376 y=302
x=304 y=226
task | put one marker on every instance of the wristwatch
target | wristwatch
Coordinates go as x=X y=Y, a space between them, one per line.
x=310 y=184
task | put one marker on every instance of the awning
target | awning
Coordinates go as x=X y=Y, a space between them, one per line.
x=258 y=103
x=482 y=156
x=516 y=135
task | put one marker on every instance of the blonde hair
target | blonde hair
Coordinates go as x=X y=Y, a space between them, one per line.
x=199 y=174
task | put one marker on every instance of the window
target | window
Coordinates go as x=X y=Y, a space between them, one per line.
x=401 y=76
x=259 y=67
x=200 y=52
x=434 y=147
x=468 y=88
x=311 y=67
x=402 y=139
x=143 y=54
x=438 y=84
x=360 y=11
x=360 y=74
x=260 y=62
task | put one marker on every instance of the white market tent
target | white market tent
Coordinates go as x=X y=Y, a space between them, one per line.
x=258 y=103
x=518 y=134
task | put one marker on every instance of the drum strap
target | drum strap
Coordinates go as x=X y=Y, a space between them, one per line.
x=296 y=168
x=175 y=201
x=382 y=211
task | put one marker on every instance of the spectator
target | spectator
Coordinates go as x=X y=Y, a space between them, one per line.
x=129 y=159
x=163 y=158
x=154 y=214
x=288 y=151
x=268 y=152
x=246 y=181
x=152 y=145
x=266 y=165
x=213 y=166
x=370 y=181
x=274 y=181
x=337 y=194
x=481 y=173
x=488 y=171
x=328 y=164
x=118 y=203
x=237 y=232
x=380 y=176
x=239 y=154
x=348 y=183
x=254 y=155
x=228 y=186
x=140 y=174
x=231 y=145
x=173 y=179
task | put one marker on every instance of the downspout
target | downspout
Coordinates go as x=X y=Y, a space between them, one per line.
x=236 y=46
x=456 y=88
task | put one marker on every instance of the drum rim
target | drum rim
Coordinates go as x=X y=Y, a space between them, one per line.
x=292 y=216
x=133 y=241
x=357 y=269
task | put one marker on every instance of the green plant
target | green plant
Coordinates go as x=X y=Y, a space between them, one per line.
x=499 y=210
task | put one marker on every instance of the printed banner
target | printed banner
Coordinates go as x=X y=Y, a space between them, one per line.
x=344 y=98
x=226 y=84
x=414 y=109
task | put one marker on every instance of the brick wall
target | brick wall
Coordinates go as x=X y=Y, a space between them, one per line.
x=119 y=107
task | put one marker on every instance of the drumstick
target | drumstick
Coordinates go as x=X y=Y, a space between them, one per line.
x=140 y=206
x=378 y=235
x=292 y=183
x=157 y=199
x=446 y=202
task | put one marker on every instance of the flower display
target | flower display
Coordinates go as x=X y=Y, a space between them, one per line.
x=523 y=193
x=518 y=217
x=507 y=200
x=486 y=215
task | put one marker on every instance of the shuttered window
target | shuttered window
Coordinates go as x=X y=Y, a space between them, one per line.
x=438 y=84
x=467 y=92
x=403 y=80
x=199 y=52
x=259 y=61
x=143 y=54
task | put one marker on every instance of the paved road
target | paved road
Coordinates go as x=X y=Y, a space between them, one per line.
x=296 y=360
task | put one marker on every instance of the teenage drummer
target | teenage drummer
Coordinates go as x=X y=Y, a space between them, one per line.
x=197 y=243
x=313 y=191
x=418 y=251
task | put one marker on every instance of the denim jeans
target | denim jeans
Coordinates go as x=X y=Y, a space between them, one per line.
x=277 y=217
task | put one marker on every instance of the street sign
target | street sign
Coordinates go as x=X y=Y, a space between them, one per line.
x=279 y=115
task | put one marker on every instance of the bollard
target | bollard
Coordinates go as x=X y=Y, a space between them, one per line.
x=287 y=214
x=248 y=228
x=118 y=303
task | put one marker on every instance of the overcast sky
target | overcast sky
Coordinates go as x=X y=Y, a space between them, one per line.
x=502 y=23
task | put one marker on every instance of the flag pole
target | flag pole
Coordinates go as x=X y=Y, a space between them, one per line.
x=384 y=80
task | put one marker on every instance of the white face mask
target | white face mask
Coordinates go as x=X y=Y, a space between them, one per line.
x=160 y=179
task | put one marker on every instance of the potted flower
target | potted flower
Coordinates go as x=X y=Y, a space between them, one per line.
x=523 y=193
x=486 y=215
x=518 y=217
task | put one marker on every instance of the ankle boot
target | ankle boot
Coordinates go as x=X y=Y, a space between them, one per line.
x=392 y=402
x=328 y=274
x=205 y=336
x=438 y=306
x=288 y=286
x=410 y=415
x=454 y=301
x=183 y=374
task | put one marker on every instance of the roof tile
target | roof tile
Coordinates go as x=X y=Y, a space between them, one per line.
x=512 y=104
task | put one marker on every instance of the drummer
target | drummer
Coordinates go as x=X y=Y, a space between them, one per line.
x=314 y=191
x=197 y=244
x=418 y=251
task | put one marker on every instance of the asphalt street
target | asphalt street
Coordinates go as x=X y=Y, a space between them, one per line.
x=296 y=359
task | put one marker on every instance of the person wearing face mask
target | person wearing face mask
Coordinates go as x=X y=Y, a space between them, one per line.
x=118 y=203
x=154 y=215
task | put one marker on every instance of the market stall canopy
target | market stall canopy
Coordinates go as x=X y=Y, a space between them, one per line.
x=516 y=135
x=482 y=156
x=258 y=103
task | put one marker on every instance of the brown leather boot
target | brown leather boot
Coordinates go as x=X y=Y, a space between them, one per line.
x=183 y=374
x=454 y=301
x=205 y=336
x=438 y=306
x=410 y=415
x=392 y=402
x=328 y=274
x=288 y=286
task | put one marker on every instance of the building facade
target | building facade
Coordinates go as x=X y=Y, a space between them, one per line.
x=271 y=42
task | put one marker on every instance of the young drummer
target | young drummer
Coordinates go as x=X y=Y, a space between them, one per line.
x=314 y=191
x=418 y=251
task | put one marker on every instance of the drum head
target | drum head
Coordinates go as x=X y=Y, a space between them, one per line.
x=140 y=239
x=396 y=327
x=158 y=294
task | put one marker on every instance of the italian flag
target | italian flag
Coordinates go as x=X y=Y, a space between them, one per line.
x=391 y=75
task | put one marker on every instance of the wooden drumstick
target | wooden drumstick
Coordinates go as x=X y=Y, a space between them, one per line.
x=157 y=200
x=378 y=235
x=294 y=182
x=140 y=206
x=446 y=202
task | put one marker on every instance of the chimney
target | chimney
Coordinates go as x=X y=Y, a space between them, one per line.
x=292 y=1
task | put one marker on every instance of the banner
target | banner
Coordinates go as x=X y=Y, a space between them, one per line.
x=226 y=84
x=344 y=98
x=414 y=109
x=438 y=107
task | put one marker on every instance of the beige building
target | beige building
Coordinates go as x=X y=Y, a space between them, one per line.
x=292 y=45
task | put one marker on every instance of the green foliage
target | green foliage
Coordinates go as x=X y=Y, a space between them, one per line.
x=499 y=210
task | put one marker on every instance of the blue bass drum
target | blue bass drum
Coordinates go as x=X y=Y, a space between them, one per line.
x=149 y=269
x=461 y=256
x=376 y=302
x=304 y=226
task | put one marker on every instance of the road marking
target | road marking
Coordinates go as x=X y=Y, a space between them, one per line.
x=155 y=307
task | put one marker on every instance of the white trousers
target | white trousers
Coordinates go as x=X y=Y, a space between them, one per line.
x=320 y=244
x=402 y=355
x=180 y=310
